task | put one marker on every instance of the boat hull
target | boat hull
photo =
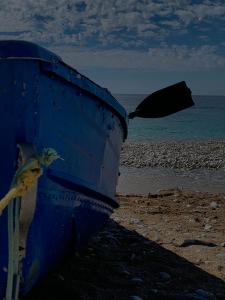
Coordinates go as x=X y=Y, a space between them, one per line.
x=45 y=103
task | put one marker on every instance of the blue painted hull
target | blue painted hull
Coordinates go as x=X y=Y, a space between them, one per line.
x=45 y=103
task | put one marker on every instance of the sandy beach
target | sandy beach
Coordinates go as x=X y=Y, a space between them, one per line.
x=169 y=244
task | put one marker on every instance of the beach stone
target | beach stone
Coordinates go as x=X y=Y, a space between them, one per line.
x=192 y=242
x=205 y=294
x=220 y=256
x=125 y=272
x=222 y=244
x=164 y=276
x=214 y=205
x=133 y=256
x=207 y=227
x=137 y=280
x=135 y=298
x=135 y=221
x=60 y=277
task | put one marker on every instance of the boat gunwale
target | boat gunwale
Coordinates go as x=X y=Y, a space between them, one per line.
x=55 y=62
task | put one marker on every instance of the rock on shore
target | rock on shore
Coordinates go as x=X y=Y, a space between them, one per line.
x=175 y=154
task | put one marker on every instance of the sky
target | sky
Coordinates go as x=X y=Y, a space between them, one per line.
x=128 y=46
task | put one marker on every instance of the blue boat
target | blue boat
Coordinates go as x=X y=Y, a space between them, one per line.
x=46 y=103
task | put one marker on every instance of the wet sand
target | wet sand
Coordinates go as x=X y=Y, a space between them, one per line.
x=151 y=180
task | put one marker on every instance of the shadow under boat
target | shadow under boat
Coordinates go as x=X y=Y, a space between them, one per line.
x=118 y=263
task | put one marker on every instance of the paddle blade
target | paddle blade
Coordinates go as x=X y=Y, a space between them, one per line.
x=164 y=102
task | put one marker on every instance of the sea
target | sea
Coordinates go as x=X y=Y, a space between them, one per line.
x=204 y=121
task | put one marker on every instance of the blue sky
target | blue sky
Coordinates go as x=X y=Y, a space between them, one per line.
x=128 y=46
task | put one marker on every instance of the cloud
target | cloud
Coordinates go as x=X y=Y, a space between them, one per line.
x=118 y=34
x=175 y=58
x=209 y=11
x=101 y=24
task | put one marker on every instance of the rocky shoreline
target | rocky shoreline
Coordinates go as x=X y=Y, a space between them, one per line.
x=175 y=154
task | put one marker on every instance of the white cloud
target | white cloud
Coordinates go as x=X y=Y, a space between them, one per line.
x=186 y=16
x=110 y=34
x=176 y=58
x=87 y=21
x=209 y=11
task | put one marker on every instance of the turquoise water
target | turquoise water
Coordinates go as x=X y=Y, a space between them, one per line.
x=205 y=120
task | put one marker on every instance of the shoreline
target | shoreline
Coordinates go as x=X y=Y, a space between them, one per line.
x=148 y=167
x=142 y=181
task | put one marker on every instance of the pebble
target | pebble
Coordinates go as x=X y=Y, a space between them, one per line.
x=192 y=242
x=214 y=205
x=135 y=298
x=207 y=227
x=137 y=280
x=125 y=272
x=205 y=294
x=135 y=221
x=164 y=276
x=220 y=255
x=133 y=256
x=222 y=244
x=60 y=277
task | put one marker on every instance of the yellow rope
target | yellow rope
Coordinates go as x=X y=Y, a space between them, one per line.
x=24 y=178
x=27 y=175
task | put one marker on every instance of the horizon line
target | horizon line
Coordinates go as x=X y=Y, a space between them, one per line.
x=205 y=95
